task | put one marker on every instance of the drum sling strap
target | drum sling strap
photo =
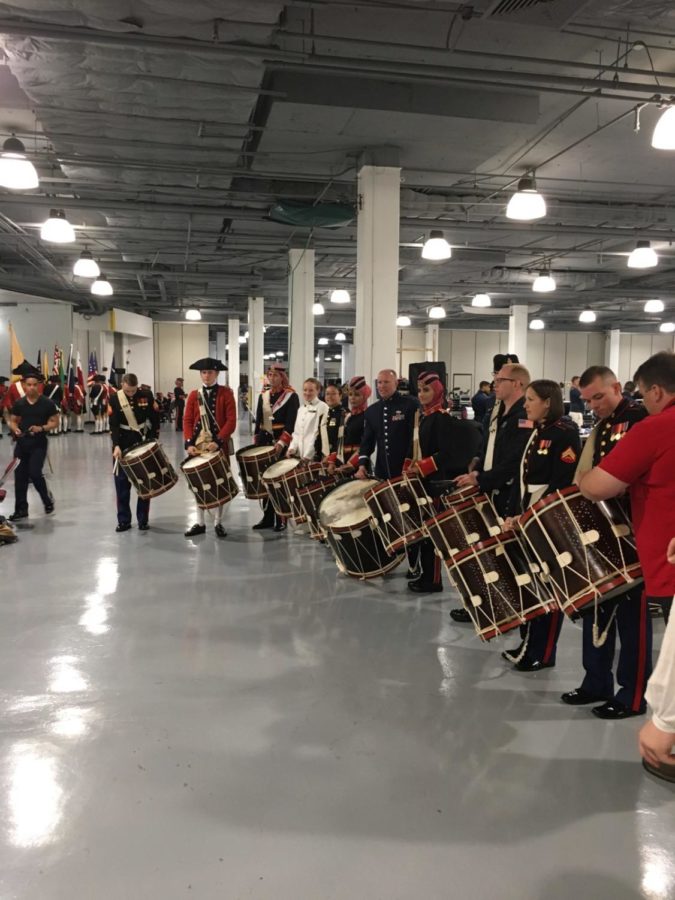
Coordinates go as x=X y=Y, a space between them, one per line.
x=130 y=416
x=208 y=423
x=416 y=452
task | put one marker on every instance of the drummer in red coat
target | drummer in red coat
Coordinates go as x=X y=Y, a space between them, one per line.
x=209 y=421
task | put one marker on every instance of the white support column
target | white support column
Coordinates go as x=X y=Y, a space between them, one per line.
x=300 y=318
x=431 y=342
x=612 y=346
x=256 y=347
x=233 y=356
x=221 y=354
x=518 y=326
x=347 y=370
x=377 y=260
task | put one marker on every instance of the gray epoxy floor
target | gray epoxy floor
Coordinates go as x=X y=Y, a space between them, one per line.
x=188 y=718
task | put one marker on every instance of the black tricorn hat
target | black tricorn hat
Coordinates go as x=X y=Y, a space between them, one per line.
x=54 y=379
x=3 y=379
x=503 y=359
x=25 y=369
x=100 y=379
x=207 y=363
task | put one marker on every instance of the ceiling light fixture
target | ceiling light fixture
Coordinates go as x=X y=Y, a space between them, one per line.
x=340 y=336
x=587 y=315
x=242 y=339
x=323 y=342
x=101 y=286
x=436 y=312
x=544 y=283
x=403 y=321
x=340 y=296
x=327 y=358
x=338 y=357
x=667 y=327
x=436 y=247
x=193 y=315
x=481 y=300
x=663 y=137
x=279 y=353
x=537 y=325
x=16 y=172
x=317 y=309
x=57 y=229
x=654 y=306
x=527 y=203
x=643 y=257
x=86 y=266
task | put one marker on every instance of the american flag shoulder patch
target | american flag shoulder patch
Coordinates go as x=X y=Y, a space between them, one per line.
x=525 y=423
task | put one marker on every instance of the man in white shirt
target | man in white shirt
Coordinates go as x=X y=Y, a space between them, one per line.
x=308 y=421
x=657 y=737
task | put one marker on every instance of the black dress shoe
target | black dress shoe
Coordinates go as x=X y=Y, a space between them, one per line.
x=263 y=523
x=419 y=587
x=143 y=526
x=196 y=529
x=613 y=710
x=220 y=531
x=280 y=526
x=121 y=528
x=17 y=516
x=49 y=507
x=529 y=665
x=580 y=697
x=460 y=615
x=413 y=574
x=666 y=771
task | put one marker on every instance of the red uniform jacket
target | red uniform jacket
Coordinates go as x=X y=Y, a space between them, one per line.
x=15 y=392
x=226 y=415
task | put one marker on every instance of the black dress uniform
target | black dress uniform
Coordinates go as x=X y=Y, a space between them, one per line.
x=352 y=437
x=632 y=613
x=512 y=430
x=447 y=446
x=123 y=436
x=328 y=436
x=548 y=465
x=388 y=428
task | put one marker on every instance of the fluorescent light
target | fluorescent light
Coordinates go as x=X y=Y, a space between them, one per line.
x=327 y=358
x=340 y=296
x=587 y=315
x=654 y=306
x=323 y=342
x=664 y=133
x=537 y=324
x=643 y=257
x=86 y=266
x=57 y=229
x=481 y=300
x=436 y=312
x=436 y=247
x=242 y=339
x=193 y=315
x=338 y=356
x=317 y=309
x=544 y=283
x=16 y=172
x=316 y=359
x=279 y=353
x=246 y=334
x=340 y=336
x=101 y=286
x=667 y=327
x=403 y=321
x=527 y=203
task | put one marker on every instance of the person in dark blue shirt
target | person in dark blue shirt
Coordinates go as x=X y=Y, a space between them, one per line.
x=479 y=401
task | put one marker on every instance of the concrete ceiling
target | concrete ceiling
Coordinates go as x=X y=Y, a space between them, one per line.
x=167 y=130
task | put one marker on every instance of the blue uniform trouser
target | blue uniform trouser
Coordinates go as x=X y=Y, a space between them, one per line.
x=123 y=491
x=544 y=632
x=32 y=452
x=634 y=626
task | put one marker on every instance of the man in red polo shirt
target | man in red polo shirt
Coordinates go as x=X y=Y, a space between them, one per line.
x=644 y=462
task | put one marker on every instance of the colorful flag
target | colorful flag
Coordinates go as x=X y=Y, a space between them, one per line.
x=39 y=360
x=112 y=378
x=80 y=374
x=71 y=372
x=16 y=356
x=93 y=369
x=45 y=365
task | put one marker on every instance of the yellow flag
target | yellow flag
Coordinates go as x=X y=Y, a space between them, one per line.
x=45 y=365
x=16 y=356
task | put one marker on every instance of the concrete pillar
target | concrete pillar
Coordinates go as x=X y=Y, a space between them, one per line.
x=256 y=346
x=300 y=318
x=431 y=342
x=347 y=369
x=377 y=261
x=612 y=345
x=221 y=354
x=232 y=361
x=518 y=326
x=321 y=365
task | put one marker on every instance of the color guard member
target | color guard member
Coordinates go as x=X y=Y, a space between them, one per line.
x=358 y=394
x=54 y=392
x=332 y=426
x=98 y=404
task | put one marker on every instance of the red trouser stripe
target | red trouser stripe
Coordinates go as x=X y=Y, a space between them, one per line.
x=642 y=654
x=552 y=631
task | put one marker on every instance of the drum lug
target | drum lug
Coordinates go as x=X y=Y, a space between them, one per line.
x=590 y=537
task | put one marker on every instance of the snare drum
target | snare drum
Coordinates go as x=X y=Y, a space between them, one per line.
x=351 y=531
x=148 y=468
x=399 y=506
x=462 y=525
x=586 y=550
x=294 y=480
x=309 y=498
x=210 y=479
x=273 y=479
x=252 y=462
x=459 y=495
x=497 y=585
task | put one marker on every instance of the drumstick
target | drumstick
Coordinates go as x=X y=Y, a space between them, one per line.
x=116 y=467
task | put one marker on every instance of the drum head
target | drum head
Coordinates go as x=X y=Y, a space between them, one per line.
x=250 y=452
x=277 y=469
x=141 y=450
x=196 y=461
x=345 y=506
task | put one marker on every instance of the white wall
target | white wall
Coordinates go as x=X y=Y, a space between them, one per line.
x=38 y=324
x=177 y=346
x=636 y=348
x=131 y=333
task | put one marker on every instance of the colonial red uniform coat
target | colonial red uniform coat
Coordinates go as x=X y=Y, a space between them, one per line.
x=225 y=413
x=16 y=392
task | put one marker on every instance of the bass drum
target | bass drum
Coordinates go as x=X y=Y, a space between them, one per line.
x=148 y=468
x=352 y=533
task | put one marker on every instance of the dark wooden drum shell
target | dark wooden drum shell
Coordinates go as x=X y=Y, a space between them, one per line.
x=460 y=526
x=399 y=507
x=253 y=461
x=148 y=468
x=309 y=498
x=210 y=479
